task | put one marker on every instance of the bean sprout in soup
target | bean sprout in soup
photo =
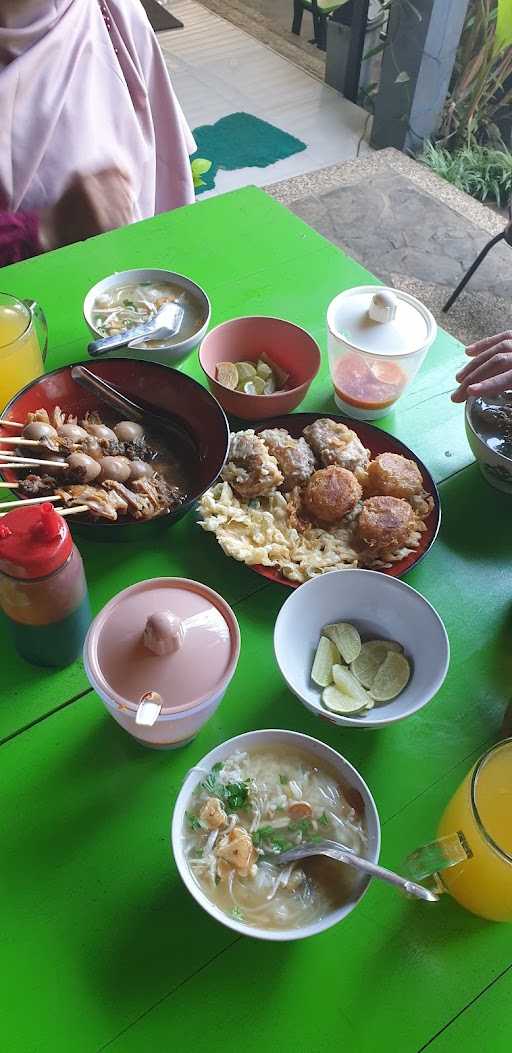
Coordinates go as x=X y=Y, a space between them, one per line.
x=256 y=804
x=126 y=306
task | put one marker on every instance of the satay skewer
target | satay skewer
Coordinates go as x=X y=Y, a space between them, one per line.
x=27 y=462
x=4 y=505
x=73 y=511
x=19 y=440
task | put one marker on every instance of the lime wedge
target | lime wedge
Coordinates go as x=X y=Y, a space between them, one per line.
x=263 y=369
x=338 y=702
x=391 y=678
x=256 y=386
x=349 y=685
x=246 y=371
x=346 y=638
x=326 y=656
x=270 y=386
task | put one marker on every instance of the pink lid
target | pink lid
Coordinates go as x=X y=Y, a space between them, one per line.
x=171 y=636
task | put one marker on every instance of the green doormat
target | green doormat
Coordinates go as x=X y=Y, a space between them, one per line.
x=239 y=141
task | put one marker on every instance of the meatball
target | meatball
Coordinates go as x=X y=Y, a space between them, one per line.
x=250 y=469
x=385 y=522
x=334 y=443
x=331 y=493
x=392 y=475
x=295 y=458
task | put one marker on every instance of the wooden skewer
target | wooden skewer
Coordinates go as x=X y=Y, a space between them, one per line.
x=18 y=440
x=11 y=424
x=9 y=486
x=73 y=511
x=30 y=501
x=24 y=462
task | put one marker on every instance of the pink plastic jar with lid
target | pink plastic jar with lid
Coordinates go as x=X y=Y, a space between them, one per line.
x=160 y=655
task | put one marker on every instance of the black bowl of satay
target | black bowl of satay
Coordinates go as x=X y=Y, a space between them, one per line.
x=115 y=472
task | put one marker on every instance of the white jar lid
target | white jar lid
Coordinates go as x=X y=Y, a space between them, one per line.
x=381 y=321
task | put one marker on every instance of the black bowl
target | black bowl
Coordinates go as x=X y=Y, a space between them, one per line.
x=193 y=408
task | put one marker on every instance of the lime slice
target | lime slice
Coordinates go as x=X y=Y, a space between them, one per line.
x=227 y=375
x=338 y=702
x=256 y=386
x=390 y=645
x=391 y=678
x=270 y=386
x=263 y=369
x=246 y=371
x=326 y=656
x=346 y=638
x=348 y=684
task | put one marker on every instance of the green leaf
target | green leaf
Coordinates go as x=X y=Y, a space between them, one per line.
x=504 y=25
x=402 y=78
x=193 y=821
x=323 y=820
x=283 y=779
x=218 y=766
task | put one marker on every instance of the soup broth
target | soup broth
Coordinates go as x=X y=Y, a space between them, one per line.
x=257 y=804
x=129 y=305
x=493 y=422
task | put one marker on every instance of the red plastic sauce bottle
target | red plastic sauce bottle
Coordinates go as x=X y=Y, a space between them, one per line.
x=43 y=591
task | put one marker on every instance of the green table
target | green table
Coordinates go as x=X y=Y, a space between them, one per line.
x=102 y=947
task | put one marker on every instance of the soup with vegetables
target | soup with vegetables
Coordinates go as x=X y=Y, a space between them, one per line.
x=254 y=805
x=126 y=306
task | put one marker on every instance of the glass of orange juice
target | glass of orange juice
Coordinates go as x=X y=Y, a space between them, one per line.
x=23 y=344
x=472 y=857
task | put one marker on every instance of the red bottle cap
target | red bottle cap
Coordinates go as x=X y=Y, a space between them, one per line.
x=34 y=541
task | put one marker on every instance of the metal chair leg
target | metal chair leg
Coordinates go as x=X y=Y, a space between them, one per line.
x=474 y=266
x=298 y=12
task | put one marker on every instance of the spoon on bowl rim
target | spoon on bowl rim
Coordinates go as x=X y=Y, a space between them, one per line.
x=165 y=324
x=345 y=855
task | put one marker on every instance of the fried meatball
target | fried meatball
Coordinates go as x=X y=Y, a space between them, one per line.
x=392 y=475
x=330 y=493
x=334 y=443
x=385 y=522
x=295 y=458
x=250 y=470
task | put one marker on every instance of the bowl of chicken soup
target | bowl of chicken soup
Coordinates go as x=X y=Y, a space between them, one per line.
x=259 y=794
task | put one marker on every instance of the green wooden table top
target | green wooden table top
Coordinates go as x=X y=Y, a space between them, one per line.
x=102 y=947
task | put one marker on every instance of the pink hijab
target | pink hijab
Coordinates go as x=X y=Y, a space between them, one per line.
x=83 y=86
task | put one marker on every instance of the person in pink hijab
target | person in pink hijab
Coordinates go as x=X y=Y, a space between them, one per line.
x=85 y=102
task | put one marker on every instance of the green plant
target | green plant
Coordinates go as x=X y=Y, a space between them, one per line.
x=480 y=170
x=479 y=92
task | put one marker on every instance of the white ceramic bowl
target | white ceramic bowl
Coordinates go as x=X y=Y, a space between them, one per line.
x=495 y=467
x=173 y=354
x=380 y=607
x=325 y=755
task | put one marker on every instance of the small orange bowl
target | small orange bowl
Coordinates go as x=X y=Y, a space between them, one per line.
x=291 y=348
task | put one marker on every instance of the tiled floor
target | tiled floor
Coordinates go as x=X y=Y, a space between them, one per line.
x=217 y=69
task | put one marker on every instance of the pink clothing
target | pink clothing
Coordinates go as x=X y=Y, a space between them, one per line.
x=83 y=86
x=19 y=236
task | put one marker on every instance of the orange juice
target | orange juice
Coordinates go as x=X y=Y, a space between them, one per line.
x=481 y=810
x=20 y=354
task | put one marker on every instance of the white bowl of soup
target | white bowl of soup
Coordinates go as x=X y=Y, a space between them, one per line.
x=258 y=794
x=383 y=610
x=130 y=298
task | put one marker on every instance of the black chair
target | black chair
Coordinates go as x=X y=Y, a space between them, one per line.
x=506 y=236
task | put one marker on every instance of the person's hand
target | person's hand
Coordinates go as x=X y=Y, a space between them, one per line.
x=490 y=369
x=91 y=204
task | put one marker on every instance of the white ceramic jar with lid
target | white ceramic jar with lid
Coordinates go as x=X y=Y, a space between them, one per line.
x=377 y=338
x=160 y=655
